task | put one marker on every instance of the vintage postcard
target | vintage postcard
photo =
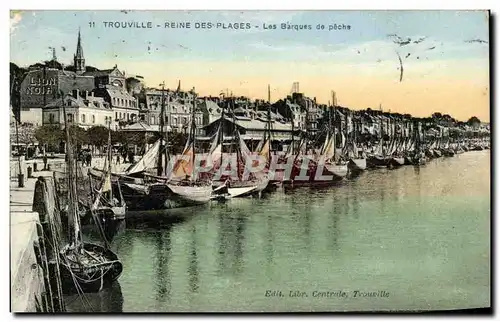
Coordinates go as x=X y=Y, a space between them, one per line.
x=249 y=161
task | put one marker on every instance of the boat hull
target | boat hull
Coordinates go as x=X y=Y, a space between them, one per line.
x=339 y=171
x=449 y=153
x=90 y=278
x=186 y=196
x=397 y=162
x=377 y=161
x=238 y=192
x=357 y=165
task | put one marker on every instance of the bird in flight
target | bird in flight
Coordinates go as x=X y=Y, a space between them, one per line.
x=480 y=41
x=419 y=40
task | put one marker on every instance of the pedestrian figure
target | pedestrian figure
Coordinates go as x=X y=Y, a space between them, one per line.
x=118 y=158
x=44 y=162
x=88 y=159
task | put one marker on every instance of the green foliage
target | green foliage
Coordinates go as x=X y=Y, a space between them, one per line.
x=97 y=135
x=474 y=121
x=77 y=134
x=49 y=134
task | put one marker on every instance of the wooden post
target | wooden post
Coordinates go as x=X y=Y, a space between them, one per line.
x=44 y=202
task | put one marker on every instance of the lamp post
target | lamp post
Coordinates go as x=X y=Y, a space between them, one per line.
x=20 y=175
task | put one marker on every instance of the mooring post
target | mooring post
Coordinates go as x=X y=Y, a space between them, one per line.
x=45 y=204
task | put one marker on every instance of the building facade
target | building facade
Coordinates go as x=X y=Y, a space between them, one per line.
x=43 y=86
x=178 y=109
x=82 y=109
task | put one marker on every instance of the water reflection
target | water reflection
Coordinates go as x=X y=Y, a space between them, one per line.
x=193 y=262
x=231 y=239
x=162 y=274
x=269 y=247
x=224 y=256
x=110 y=299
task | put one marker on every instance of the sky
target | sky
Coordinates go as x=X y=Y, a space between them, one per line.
x=442 y=70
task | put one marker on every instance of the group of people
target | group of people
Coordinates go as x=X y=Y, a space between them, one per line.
x=126 y=154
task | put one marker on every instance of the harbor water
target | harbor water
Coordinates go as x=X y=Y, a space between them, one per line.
x=413 y=238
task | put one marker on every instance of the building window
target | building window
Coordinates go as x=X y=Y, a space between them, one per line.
x=69 y=118
x=174 y=121
x=152 y=120
x=93 y=118
x=51 y=118
x=166 y=119
x=122 y=102
x=116 y=115
x=114 y=101
x=83 y=118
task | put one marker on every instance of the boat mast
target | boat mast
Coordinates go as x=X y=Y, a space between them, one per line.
x=109 y=165
x=162 y=121
x=334 y=126
x=192 y=131
x=73 y=217
x=268 y=120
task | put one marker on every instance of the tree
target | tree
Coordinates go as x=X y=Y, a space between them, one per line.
x=49 y=135
x=176 y=142
x=437 y=115
x=78 y=135
x=474 y=121
x=17 y=75
x=97 y=136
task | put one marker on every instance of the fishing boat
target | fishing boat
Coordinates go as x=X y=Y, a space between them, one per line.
x=241 y=183
x=186 y=188
x=379 y=157
x=336 y=165
x=357 y=159
x=84 y=267
x=108 y=202
x=417 y=156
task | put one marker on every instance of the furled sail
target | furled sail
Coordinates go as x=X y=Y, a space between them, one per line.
x=148 y=160
x=183 y=168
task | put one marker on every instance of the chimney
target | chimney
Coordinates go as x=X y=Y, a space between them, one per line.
x=75 y=93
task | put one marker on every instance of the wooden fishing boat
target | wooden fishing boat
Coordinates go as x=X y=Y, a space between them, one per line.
x=88 y=268
x=379 y=161
x=357 y=164
x=396 y=161
x=243 y=184
x=437 y=153
x=109 y=205
x=357 y=161
x=85 y=267
x=448 y=152
x=338 y=170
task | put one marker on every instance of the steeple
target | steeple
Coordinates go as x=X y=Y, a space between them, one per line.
x=78 y=60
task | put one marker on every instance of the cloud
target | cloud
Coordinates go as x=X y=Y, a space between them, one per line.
x=15 y=19
x=375 y=51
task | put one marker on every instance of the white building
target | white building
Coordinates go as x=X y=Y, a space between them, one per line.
x=82 y=109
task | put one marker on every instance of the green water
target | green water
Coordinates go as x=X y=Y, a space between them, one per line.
x=420 y=235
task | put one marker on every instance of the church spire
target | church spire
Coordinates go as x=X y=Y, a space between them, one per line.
x=79 y=61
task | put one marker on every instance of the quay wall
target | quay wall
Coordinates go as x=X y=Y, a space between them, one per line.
x=34 y=246
x=27 y=285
